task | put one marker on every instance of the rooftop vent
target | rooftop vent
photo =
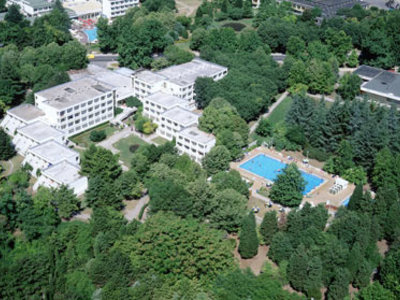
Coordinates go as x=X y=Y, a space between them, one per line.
x=69 y=90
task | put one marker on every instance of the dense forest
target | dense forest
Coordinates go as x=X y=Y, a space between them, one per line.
x=184 y=247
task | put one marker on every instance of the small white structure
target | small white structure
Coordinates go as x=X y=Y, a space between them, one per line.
x=63 y=173
x=34 y=134
x=77 y=105
x=176 y=80
x=340 y=184
x=195 y=143
x=174 y=120
x=20 y=116
x=116 y=8
x=47 y=154
x=158 y=103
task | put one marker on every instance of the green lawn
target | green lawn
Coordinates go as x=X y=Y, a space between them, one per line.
x=15 y=162
x=123 y=146
x=83 y=140
x=183 y=44
x=159 y=140
x=280 y=111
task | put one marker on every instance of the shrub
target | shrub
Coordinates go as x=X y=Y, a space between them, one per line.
x=97 y=135
x=133 y=102
x=117 y=111
x=235 y=26
x=133 y=148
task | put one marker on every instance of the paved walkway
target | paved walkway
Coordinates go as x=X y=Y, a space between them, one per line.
x=270 y=110
x=133 y=213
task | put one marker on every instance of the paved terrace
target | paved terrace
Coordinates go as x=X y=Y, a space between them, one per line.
x=318 y=195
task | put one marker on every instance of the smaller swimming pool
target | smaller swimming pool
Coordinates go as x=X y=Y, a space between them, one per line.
x=91 y=34
x=269 y=168
x=346 y=202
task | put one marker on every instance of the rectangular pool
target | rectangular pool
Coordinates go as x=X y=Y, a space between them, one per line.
x=269 y=168
x=91 y=34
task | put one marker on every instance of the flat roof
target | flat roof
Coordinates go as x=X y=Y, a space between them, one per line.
x=40 y=131
x=197 y=135
x=165 y=100
x=187 y=73
x=39 y=3
x=149 y=76
x=181 y=116
x=367 y=72
x=64 y=172
x=53 y=152
x=74 y=92
x=386 y=83
x=26 y=112
x=329 y=7
x=81 y=8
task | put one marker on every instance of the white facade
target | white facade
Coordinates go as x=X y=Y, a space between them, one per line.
x=116 y=8
x=62 y=173
x=78 y=105
x=176 y=80
x=47 y=154
x=195 y=143
x=158 y=103
x=35 y=134
x=33 y=8
x=175 y=120
x=20 y=116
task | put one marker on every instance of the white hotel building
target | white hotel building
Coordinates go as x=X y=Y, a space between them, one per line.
x=194 y=142
x=176 y=80
x=116 y=8
x=20 y=116
x=175 y=120
x=78 y=105
x=35 y=134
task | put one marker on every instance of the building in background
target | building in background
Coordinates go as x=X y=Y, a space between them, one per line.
x=174 y=120
x=115 y=8
x=20 y=116
x=384 y=87
x=33 y=8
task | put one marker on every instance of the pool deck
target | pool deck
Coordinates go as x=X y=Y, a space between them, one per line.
x=316 y=196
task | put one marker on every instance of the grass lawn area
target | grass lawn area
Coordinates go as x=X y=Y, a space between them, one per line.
x=123 y=146
x=280 y=111
x=83 y=140
x=183 y=44
x=159 y=140
x=14 y=164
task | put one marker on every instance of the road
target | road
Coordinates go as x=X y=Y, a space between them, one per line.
x=131 y=214
x=271 y=109
x=104 y=57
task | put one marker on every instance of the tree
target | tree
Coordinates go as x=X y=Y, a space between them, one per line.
x=180 y=246
x=269 y=227
x=297 y=268
x=13 y=15
x=65 y=201
x=356 y=198
x=339 y=288
x=281 y=247
x=383 y=173
x=264 y=128
x=97 y=161
x=288 y=187
x=375 y=291
x=216 y=160
x=295 y=46
x=352 y=60
x=227 y=210
x=7 y=149
x=390 y=272
x=176 y=55
x=230 y=180
x=349 y=86
x=103 y=192
x=97 y=135
x=204 y=91
x=248 y=244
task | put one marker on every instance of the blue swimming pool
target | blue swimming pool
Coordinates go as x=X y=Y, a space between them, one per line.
x=92 y=34
x=269 y=168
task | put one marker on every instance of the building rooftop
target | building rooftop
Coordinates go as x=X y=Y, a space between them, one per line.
x=53 y=152
x=166 y=100
x=81 y=8
x=40 y=132
x=26 y=112
x=367 y=72
x=149 y=76
x=329 y=7
x=193 y=133
x=187 y=73
x=181 y=116
x=386 y=84
x=63 y=172
x=73 y=92
x=125 y=71
x=39 y=3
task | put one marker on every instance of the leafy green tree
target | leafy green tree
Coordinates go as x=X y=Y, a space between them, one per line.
x=97 y=135
x=390 y=272
x=65 y=201
x=176 y=55
x=288 y=187
x=129 y=185
x=78 y=285
x=158 y=5
x=349 y=86
x=269 y=227
x=356 y=198
x=232 y=141
x=313 y=283
x=264 y=128
x=7 y=149
x=13 y=15
x=297 y=268
x=281 y=247
x=228 y=208
x=202 y=194
x=248 y=244
x=352 y=60
x=383 y=174
x=339 y=288
x=295 y=46
x=204 y=91
x=97 y=161
x=375 y=291
x=103 y=192
x=216 y=160
x=178 y=246
x=230 y=180
x=339 y=43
